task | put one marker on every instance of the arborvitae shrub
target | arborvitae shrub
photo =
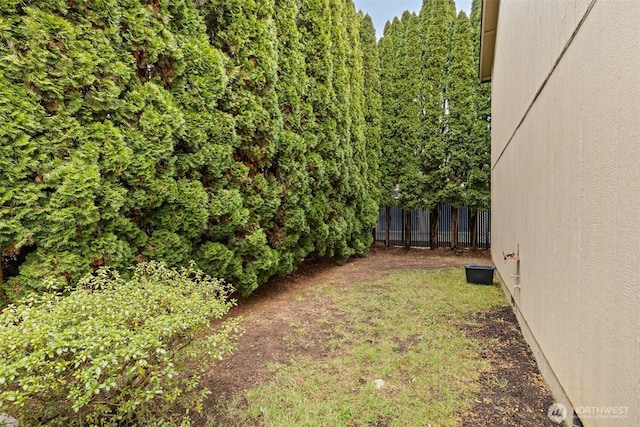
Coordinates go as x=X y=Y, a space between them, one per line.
x=231 y=133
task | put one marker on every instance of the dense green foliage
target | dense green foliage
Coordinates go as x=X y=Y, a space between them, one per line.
x=436 y=30
x=114 y=351
x=244 y=135
x=407 y=121
x=460 y=114
x=435 y=132
x=478 y=190
x=372 y=104
x=230 y=132
x=394 y=155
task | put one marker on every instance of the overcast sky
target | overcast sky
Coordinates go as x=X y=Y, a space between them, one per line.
x=382 y=11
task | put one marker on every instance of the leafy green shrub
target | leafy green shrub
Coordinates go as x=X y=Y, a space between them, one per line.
x=114 y=351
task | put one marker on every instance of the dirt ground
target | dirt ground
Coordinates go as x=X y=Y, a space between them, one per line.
x=512 y=392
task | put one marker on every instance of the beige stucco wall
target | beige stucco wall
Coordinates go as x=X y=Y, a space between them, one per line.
x=566 y=188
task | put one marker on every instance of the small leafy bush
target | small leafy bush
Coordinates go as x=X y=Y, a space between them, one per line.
x=114 y=351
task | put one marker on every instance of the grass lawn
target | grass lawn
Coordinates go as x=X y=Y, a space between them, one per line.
x=404 y=329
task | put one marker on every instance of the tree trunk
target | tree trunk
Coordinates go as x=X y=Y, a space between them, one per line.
x=454 y=228
x=473 y=226
x=387 y=230
x=433 y=224
x=407 y=230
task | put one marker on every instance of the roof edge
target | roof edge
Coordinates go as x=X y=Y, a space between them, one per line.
x=488 y=28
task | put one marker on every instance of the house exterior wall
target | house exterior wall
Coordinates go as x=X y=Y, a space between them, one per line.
x=566 y=190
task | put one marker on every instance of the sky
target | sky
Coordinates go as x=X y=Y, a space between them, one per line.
x=382 y=11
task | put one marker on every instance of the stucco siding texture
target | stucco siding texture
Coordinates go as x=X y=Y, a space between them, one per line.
x=566 y=189
x=534 y=32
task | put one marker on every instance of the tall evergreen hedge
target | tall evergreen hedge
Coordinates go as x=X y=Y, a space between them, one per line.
x=233 y=133
x=435 y=126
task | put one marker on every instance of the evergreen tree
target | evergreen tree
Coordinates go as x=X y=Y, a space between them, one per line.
x=425 y=12
x=246 y=32
x=361 y=194
x=478 y=184
x=20 y=192
x=97 y=92
x=236 y=133
x=459 y=86
x=314 y=26
x=336 y=149
x=372 y=108
x=436 y=27
x=409 y=120
x=121 y=158
x=291 y=235
x=394 y=155
x=209 y=194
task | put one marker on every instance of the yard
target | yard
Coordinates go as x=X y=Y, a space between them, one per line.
x=389 y=339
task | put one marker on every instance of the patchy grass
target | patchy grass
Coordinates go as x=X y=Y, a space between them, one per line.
x=403 y=329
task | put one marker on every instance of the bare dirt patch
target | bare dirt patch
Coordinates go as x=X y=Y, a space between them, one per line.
x=512 y=392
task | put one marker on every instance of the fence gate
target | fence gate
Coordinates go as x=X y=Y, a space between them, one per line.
x=420 y=226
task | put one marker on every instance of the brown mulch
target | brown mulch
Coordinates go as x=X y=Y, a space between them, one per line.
x=512 y=392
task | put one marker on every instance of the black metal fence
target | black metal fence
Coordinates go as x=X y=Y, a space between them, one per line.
x=420 y=227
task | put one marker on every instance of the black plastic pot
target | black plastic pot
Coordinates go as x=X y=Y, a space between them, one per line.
x=478 y=273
